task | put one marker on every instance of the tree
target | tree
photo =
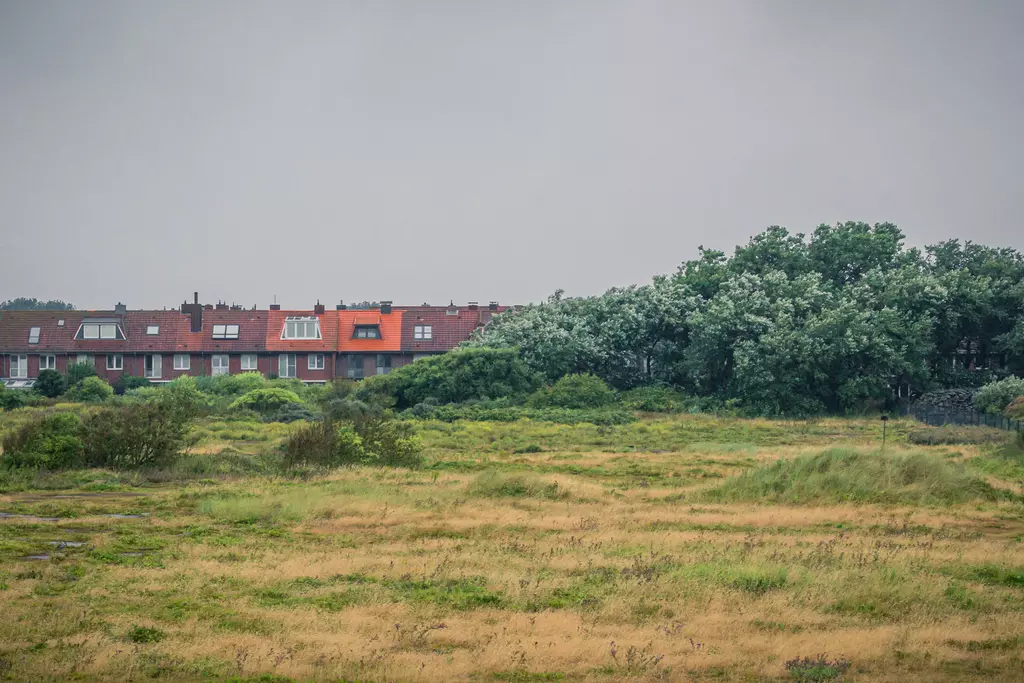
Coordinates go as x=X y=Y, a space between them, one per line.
x=50 y=383
x=25 y=304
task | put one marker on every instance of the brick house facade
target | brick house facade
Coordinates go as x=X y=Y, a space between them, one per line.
x=314 y=345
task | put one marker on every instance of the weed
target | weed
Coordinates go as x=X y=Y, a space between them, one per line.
x=817 y=669
x=144 y=634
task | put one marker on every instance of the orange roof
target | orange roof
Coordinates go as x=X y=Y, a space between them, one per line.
x=275 y=325
x=390 y=331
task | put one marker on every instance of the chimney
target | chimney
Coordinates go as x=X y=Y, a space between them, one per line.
x=222 y=306
x=452 y=309
x=341 y=306
x=120 y=309
x=208 y=307
x=195 y=313
x=385 y=306
x=493 y=305
x=319 y=308
x=275 y=307
x=474 y=305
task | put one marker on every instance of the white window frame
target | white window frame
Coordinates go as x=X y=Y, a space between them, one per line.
x=301 y=327
x=19 y=361
x=156 y=366
x=84 y=359
x=178 y=365
x=286 y=368
x=152 y=330
x=220 y=364
x=108 y=331
x=33 y=335
x=47 y=361
x=250 y=362
x=423 y=332
x=315 y=361
x=225 y=331
x=94 y=328
x=118 y=361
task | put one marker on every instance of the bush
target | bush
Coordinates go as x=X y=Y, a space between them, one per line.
x=1015 y=411
x=79 y=371
x=52 y=441
x=996 y=396
x=10 y=399
x=654 y=399
x=575 y=391
x=388 y=443
x=841 y=475
x=129 y=382
x=50 y=383
x=90 y=390
x=266 y=400
x=454 y=377
x=290 y=412
x=231 y=385
x=323 y=444
x=137 y=435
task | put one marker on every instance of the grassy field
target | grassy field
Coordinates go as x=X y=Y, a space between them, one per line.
x=672 y=548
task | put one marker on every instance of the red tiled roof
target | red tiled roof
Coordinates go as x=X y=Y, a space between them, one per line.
x=447 y=331
x=390 y=325
x=252 y=332
x=328 y=332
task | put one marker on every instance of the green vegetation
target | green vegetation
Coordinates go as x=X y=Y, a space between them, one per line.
x=575 y=391
x=266 y=401
x=90 y=390
x=50 y=383
x=844 y=475
x=997 y=396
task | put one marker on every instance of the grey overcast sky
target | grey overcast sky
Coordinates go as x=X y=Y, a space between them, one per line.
x=427 y=151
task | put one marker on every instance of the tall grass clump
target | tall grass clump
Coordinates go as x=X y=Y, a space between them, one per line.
x=499 y=485
x=841 y=475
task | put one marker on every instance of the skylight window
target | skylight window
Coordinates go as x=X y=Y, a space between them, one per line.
x=152 y=329
x=225 y=331
x=304 y=327
x=33 y=335
x=60 y=323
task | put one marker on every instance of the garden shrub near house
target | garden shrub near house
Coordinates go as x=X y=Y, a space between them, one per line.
x=52 y=441
x=50 y=383
x=79 y=371
x=11 y=398
x=90 y=390
x=128 y=382
x=267 y=400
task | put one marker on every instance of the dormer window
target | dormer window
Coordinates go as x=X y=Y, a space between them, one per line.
x=152 y=329
x=33 y=335
x=423 y=332
x=366 y=332
x=225 y=331
x=301 y=327
x=99 y=329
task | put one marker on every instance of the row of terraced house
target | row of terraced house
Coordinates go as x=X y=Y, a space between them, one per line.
x=313 y=345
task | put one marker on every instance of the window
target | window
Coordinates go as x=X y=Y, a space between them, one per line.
x=225 y=331
x=152 y=329
x=48 y=362
x=19 y=367
x=366 y=332
x=355 y=366
x=249 y=362
x=423 y=332
x=182 y=361
x=286 y=365
x=383 y=364
x=220 y=365
x=84 y=359
x=115 y=361
x=99 y=330
x=153 y=366
x=301 y=328
x=33 y=335
x=60 y=323
x=315 y=361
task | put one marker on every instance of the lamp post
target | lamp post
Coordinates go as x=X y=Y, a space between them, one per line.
x=885 y=422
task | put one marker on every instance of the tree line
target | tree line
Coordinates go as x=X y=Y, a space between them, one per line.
x=845 y=319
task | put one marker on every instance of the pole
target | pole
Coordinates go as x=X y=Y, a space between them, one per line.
x=885 y=423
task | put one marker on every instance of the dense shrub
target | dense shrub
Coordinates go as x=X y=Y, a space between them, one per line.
x=323 y=444
x=51 y=441
x=128 y=382
x=388 y=442
x=996 y=396
x=50 y=383
x=231 y=385
x=655 y=399
x=11 y=398
x=90 y=390
x=266 y=400
x=79 y=371
x=575 y=391
x=290 y=412
x=453 y=377
x=134 y=436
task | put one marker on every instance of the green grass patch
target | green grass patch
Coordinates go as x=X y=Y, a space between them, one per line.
x=500 y=485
